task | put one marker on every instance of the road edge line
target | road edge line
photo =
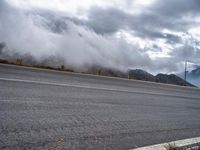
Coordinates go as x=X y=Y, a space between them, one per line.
x=90 y=87
x=179 y=143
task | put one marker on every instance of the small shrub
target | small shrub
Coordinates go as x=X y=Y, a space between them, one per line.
x=19 y=61
x=99 y=72
x=62 y=67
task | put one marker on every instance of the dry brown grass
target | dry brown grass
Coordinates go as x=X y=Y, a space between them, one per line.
x=172 y=147
x=19 y=61
x=59 y=145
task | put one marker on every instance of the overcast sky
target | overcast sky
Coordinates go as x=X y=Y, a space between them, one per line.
x=155 y=35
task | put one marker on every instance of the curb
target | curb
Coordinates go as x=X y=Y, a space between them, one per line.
x=182 y=144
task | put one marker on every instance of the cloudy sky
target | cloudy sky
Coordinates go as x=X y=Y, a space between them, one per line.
x=155 y=35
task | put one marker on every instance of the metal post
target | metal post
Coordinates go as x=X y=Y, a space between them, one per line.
x=185 y=70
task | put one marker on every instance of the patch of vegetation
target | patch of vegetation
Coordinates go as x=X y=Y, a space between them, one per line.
x=62 y=67
x=59 y=145
x=172 y=147
x=4 y=61
x=19 y=61
x=198 y=147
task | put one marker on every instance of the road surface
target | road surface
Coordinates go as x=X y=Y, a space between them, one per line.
x=47 y=110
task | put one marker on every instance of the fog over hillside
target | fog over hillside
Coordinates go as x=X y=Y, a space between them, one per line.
x=104 y=35
x=194 y=76
x=195 y=81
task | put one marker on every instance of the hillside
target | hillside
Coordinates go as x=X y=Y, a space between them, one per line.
x=194 y=76
x=139 y=74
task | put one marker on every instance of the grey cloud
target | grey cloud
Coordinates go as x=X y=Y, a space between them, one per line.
x=187 y=52
x=110 y=20
x=2 y=47
x=167 y=65
x=150 y=22
x=104 y=20
x=173 y=39
x=177 y=8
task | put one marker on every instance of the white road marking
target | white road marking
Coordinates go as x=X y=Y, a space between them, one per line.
x=70 y=85
x=180 y=143
x=91 y=87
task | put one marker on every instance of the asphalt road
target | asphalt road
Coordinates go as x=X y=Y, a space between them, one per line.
x=47 y=110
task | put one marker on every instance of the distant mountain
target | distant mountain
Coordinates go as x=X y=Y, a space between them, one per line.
x=194 y=76
x=194 y=73
x=161 y=78
x=139 y=74
x=171 y=79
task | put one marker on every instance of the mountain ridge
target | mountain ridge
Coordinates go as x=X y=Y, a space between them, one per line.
x=139 y=74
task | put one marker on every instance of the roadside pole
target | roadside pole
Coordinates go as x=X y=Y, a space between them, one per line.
x=186 y=71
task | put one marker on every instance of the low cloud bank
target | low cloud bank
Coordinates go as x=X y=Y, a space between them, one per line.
x=29 y=35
